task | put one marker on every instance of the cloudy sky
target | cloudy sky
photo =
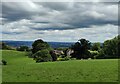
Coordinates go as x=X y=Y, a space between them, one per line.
x=59 y=21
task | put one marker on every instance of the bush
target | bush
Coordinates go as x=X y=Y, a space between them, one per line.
x=29 y=54
x=64 y=59
x=42 y=56
x=4 y=62
x=73 y=58
x=101 y=54
x=94 y=54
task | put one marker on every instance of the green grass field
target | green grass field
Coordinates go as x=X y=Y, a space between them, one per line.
x=20 y=68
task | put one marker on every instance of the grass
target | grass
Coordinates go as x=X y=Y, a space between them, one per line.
x=20 y=68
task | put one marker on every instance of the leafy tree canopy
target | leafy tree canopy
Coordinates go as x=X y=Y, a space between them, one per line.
x=96 y=46
x=39 y=45
x=81 y=49
x=42 y=56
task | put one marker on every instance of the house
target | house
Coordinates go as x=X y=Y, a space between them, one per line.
x=69 y=52
x=58 y=52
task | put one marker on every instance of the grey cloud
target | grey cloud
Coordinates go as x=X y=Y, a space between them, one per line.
x=76 y=15
x=13 y=14
x=67 y=21
x=12 y=33
x=14 y=11
x=55 y=5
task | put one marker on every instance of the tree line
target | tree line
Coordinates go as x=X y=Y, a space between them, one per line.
x=109 y=49
x=83 y=49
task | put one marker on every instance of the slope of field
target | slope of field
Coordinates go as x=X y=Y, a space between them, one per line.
x=20 y=68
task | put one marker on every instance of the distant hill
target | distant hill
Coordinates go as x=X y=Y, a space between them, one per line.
x=29 y=43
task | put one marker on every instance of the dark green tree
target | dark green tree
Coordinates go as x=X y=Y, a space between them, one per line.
x=39 y=45
x=3 y=45
x=53 y=55
x=81 y=49
x=111 y=47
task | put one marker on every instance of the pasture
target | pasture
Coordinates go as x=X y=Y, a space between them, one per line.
x=20 y=68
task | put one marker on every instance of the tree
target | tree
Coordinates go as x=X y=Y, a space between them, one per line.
x=39 y=45
x=111 y=47
x=4 y=46
x=118 y=48
x=81 y=49
x=96 y=46
x=42 y=56
x=53 y=55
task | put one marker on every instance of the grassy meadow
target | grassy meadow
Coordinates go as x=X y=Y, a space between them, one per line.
x=20 y=68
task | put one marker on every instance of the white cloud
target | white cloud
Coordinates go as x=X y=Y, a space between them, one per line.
x=16 y=27
x=94 y=34
x=59 y=21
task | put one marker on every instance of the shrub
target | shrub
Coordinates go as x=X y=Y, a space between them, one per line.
x=4 y=62
x=29 y=54
x=64 y=59
x=94 y=54
x=73 y=58
x=101 y=54
x=42 y=56
x=62 y=56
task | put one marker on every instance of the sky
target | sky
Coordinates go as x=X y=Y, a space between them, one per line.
x=59 y=21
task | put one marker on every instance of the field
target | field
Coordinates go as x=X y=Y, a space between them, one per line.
x=20 y=68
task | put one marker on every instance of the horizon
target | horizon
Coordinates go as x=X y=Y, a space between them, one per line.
x=45 y=41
